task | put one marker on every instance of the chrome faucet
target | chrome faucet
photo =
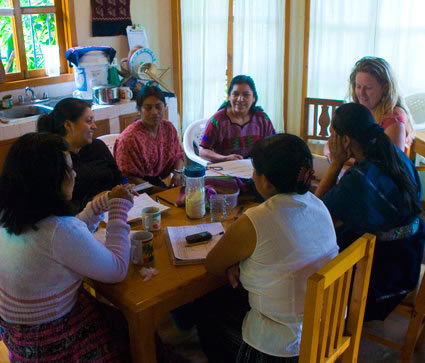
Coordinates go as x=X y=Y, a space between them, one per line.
x=29 y=90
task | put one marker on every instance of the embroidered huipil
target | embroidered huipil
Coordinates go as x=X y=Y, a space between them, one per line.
x=139 y=154
x=226 y=137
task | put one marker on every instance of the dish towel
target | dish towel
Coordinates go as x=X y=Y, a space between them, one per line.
x=73 y=55
x=110 y=17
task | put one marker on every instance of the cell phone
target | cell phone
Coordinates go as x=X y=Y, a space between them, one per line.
x=202 y=237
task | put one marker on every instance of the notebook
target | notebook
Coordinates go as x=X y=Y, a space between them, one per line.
x=140 y=202
x=237 y=168
x=180 y=253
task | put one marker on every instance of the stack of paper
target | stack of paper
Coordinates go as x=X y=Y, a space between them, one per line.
x=182 y=254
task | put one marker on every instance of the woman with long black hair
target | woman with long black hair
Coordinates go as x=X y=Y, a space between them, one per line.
x=379 y=194
x=46 y=249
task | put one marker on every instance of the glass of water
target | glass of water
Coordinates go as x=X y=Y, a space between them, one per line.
x=218 y=205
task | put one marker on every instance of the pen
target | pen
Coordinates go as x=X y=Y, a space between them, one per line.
x=215 y=171
x=129 y=187
x=158 y=198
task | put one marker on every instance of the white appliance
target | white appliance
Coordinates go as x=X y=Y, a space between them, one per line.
x=92 y=71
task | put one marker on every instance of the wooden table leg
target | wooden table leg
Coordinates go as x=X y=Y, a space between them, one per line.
x=141 y=329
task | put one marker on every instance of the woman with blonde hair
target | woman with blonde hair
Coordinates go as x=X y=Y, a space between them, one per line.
x=373 y=84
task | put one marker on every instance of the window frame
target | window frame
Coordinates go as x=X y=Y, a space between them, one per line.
x=176 y=27
x=66 y=35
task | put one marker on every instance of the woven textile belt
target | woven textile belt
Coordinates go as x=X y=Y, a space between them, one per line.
x=399 y=232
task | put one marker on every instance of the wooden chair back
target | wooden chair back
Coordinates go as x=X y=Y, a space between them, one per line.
x=317 y=118
x=413 y=306
x=329 y=332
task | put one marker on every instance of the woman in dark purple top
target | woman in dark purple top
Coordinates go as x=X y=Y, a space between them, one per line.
x=237 y=125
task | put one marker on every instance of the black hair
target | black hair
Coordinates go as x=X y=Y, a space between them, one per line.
x=67 y=109
x=31 y=182
x=242 y=79
x=148 y=91
x=357 y=122
x=280 y=159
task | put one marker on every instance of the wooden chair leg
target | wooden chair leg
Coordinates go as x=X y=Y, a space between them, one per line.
x=412 y=336
x=421 y=338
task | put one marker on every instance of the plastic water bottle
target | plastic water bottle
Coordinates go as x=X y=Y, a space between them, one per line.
x=195 y=191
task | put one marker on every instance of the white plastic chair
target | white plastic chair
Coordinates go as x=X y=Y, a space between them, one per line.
x=109 y=140
x=193 y=135
x=416 y=105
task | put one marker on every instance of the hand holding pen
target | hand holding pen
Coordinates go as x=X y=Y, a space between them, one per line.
x=129 y=187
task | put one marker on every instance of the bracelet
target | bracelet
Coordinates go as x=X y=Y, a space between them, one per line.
x=178 y=171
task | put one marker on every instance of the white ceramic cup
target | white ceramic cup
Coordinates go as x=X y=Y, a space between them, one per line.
x=151 y=219
x=125 y=93
x=136 y=250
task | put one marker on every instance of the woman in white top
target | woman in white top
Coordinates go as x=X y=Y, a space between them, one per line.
x=274 y=247
x=45 y=250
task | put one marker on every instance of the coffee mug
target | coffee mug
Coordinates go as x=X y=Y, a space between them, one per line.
x=125 y=93
x=138 y=240
x=151 y=218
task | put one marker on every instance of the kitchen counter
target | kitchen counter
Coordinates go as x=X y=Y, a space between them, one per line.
x=101 y=112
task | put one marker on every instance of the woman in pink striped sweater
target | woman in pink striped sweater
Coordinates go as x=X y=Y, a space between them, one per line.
x=45 y=250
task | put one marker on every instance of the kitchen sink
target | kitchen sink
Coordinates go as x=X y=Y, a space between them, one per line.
x=31 y=111
x=24 y=111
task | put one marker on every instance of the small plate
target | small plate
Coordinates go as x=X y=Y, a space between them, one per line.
x=141 y=56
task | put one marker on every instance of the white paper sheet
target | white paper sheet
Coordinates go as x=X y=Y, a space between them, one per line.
x=143 y=186
x=137 y=37
x=178 y=242
x=140 y=202
x=236 y=168
x=320 y=165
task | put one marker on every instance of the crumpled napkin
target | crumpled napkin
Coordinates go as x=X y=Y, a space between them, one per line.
x=148 y=272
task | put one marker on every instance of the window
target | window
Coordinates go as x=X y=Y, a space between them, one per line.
x=25 y=27
x=342 y=32
x=223 y=38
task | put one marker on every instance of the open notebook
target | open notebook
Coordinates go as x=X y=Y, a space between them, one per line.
x=140 y=202
x=237 y=168
x=180 y=253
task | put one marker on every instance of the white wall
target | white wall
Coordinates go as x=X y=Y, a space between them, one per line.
x=154 y=15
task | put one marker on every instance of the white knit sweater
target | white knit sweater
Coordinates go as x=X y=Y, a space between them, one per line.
x=41 y=271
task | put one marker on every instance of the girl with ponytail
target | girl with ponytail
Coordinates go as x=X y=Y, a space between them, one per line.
x=379 y=194
x=272 y=249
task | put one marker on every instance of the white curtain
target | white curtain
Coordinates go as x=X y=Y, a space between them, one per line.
x=342 y=32
x=204 y=57
x=258 y=51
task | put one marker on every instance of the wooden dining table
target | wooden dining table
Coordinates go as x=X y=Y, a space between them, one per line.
x=144 y=303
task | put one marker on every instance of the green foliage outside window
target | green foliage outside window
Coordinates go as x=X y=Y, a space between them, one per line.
x=37 y=2
x=38 y=29
x=5 y=4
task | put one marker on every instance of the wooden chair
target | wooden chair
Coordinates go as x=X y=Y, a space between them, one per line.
x=328 y=331
x=316 y=125
x=413 y=306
